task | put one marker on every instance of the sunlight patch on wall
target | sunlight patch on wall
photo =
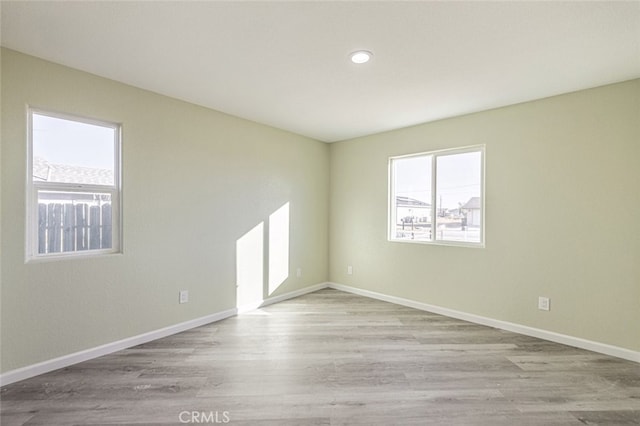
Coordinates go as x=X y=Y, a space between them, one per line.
x=250 y=266
x=278 y=247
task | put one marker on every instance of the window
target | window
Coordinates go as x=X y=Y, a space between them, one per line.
x=438 y=197
x=73 y=186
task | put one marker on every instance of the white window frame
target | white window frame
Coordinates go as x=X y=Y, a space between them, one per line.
x=392 y=220
x=33 y=188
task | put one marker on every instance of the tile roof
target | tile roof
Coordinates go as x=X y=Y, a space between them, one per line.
x=402 y=201
x=44 y=171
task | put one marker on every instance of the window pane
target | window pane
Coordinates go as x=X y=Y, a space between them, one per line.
x=73 y=221
x=458 y=197
x=66 y=151
x=412 y=190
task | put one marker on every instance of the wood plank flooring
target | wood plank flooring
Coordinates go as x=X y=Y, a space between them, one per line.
x=333 y=358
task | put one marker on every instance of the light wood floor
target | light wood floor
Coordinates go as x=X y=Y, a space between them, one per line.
x=333 y=358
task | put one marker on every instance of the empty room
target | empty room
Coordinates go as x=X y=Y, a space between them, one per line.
x=293 y=213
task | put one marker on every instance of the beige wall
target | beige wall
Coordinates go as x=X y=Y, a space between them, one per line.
x=194 y=182
x=562 y=203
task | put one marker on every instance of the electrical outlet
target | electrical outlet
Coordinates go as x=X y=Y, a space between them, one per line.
x=544 y=304
x=299 y=272
x=184 y=296
x=350 y=270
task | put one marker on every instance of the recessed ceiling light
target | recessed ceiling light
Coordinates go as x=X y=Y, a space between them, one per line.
x=360 y=56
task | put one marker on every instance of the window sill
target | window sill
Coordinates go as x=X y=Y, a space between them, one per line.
x=440 y=243
x=72 y=256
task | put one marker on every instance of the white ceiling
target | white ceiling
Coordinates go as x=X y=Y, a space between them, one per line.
x=286 y=64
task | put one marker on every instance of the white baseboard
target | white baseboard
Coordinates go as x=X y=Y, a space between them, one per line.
x=577 y=342
x=85 y=355
x=33 y=370
x=281 y=297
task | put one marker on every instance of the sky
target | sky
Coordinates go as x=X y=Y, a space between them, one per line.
x=458 y=178
x=61 y=141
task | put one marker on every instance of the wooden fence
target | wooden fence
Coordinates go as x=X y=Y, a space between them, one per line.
x=64 y=227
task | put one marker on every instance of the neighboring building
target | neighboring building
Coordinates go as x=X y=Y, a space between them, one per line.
x=472 y=211
x=412 y=210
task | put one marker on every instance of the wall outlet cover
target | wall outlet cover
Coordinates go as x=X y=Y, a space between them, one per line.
x=544 y=304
